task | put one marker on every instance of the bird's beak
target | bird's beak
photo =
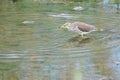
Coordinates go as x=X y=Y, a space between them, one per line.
x=61 y=27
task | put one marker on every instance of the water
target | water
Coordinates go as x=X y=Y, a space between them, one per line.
x=32 y=47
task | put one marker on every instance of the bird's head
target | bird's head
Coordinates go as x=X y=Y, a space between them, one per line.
x=66 y=25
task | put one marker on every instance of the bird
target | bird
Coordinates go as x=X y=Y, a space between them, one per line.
x=79 y=27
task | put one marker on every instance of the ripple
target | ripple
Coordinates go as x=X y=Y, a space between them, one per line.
x=62 y=15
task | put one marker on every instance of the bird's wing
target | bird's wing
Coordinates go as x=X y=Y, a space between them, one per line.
x=84 y=27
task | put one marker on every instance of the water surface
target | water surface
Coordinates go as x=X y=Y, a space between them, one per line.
x=32 y=47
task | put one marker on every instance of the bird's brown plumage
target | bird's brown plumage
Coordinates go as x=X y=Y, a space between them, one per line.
x=83 y=26
x=79 y=27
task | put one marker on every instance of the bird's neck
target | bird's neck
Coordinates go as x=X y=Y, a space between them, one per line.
x=71 y=28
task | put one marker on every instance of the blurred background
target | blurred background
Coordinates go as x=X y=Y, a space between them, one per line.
x=32 y=47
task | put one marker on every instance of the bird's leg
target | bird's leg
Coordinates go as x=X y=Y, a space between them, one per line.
x=82 y=35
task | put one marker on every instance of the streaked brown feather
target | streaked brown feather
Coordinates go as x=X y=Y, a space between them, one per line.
x=83 y=26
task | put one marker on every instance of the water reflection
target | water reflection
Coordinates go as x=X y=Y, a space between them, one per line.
x=77 y=41
x=38 y=50
x=8 y=70
x=101 y=61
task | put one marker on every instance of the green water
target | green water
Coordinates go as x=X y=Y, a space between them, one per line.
x=32 y=47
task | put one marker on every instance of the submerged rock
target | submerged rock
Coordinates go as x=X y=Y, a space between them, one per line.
x=28 y=22
x=79 y=8
x=62 y=15
x=106 y=78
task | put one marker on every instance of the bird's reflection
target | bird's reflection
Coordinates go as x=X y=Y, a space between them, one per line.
x=14 y=1
x=77 y=41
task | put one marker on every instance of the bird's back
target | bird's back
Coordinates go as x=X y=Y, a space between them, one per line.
x=83 y=26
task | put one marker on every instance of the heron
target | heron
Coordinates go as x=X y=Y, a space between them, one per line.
x=79 y=27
